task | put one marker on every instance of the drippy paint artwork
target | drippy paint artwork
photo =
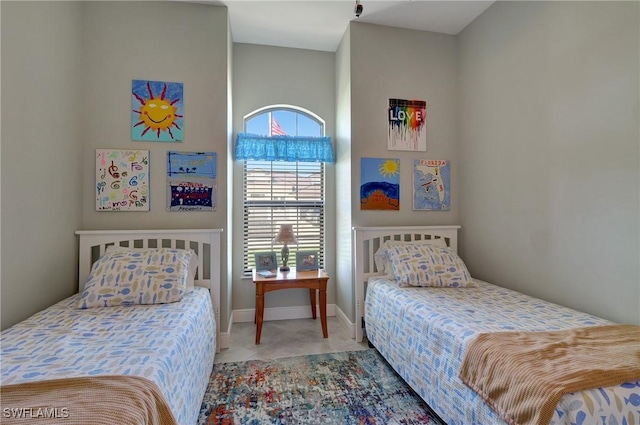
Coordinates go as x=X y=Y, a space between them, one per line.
x=156 y=111
x=191 y=181
x=431 y=185
x=122 y=180
x=407 y=125
x=379 y=184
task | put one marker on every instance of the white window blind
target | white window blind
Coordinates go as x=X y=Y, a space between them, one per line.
x=278 y=192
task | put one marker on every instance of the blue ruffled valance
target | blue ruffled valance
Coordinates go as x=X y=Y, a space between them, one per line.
x=284 y=148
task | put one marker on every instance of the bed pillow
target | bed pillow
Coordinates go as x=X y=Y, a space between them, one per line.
x=140 y=276
x=382 y=261
x=193 y=264
x=428 y=265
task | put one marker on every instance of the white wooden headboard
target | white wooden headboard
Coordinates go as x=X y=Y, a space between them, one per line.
x=367 y=240
x=205 y=242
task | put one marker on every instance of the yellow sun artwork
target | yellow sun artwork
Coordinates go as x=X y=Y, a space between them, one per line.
x=389 y=168
x=156 y=113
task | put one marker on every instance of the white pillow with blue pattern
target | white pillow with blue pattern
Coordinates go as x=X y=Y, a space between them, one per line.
x=428 y=265
x=141 y=276
x=382 y=261
x=193 y=264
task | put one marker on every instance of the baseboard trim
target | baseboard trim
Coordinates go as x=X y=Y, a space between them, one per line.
x=225 y=337
x=344 y=320
x=281 y=313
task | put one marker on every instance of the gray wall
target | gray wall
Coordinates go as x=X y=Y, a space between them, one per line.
x=229 y=182
x=41 y=154
x=263 y=76
x=71 y=64
x=397 y=63
x=163 y=41
x=344 y=244
x=389 y=63
x=121 y=43
x=549 y=152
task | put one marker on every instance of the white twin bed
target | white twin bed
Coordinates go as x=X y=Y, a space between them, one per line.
x=424 y=332
x=172 y=345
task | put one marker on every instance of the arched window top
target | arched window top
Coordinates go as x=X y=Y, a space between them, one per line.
x=284 y=133
x=291 y=120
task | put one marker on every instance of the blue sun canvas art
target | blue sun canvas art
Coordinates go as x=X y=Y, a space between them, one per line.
x=379 y=184
x=157 y=111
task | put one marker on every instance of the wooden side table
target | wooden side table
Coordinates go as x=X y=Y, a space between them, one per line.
x=315 y=280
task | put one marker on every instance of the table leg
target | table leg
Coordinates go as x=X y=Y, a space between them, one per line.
x=323 y=310
x=312 y=296
x=259 y=311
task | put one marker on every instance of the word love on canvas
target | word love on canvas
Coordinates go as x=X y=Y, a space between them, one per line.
x=405 y=116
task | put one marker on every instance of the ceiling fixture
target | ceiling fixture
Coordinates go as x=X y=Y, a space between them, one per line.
x=357 y=10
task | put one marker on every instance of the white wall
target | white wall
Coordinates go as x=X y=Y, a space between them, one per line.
x=41 y=154
x=549 y=150
x=266 y=75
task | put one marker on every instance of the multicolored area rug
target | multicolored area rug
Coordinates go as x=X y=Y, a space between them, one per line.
x=355 y=387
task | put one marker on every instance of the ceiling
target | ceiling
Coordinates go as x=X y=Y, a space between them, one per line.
x=320 y=24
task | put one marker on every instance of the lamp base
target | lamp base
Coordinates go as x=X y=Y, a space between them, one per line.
x=285 y=258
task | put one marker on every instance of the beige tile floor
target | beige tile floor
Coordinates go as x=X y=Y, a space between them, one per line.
x=286 y=338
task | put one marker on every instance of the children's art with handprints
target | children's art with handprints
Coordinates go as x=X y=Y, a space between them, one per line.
x=191 y=181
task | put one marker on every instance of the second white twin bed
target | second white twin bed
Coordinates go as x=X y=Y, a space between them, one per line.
x=425 y=331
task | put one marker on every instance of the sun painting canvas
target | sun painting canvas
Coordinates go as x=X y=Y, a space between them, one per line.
x=157 y=111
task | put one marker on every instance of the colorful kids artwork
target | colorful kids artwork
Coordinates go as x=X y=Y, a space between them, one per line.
x=191 y=181
x=122 y=180
x=157 y=111
x=407 y=125
x=431 y=185
x=379 y=184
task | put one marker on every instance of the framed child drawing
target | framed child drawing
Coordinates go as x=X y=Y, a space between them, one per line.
x=122 y=180
x=431 y=185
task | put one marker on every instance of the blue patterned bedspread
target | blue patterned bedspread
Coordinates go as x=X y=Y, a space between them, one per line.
x=423 y=333
x=171 y=344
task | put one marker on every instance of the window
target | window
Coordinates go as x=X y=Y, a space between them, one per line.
x=277 y=192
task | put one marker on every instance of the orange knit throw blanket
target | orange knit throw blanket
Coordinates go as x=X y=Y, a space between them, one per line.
x=99 y=400
x=523 y=375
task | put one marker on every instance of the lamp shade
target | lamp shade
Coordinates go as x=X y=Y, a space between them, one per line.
x=285 y=235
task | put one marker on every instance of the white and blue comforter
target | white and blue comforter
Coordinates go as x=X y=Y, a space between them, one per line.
x=171 y=344
x=424 y=332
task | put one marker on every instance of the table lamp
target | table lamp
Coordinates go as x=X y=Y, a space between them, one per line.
x=285 y=236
